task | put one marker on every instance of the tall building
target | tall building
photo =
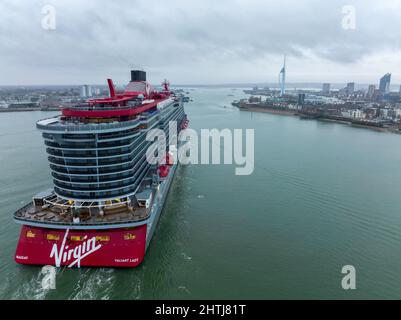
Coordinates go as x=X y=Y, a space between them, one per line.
x=371 y=90
x=86 y=91
x=83 y=92
x=301 y=99
x=342 y=92
x=326 y=88
x=384 y=85
x=350 y=88
x=281 y=79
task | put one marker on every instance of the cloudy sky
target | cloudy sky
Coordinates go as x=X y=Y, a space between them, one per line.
x=199 y=42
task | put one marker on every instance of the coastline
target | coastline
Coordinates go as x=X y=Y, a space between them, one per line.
x=295 y=113
x=380 y=129
x=273 y=111
x=28 y=109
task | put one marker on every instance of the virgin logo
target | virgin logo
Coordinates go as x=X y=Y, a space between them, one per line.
x=74 y=255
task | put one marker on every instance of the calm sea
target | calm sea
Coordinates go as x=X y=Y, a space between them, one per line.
x=323 y=195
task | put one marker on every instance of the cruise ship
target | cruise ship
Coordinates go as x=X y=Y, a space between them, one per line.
x=107 y=197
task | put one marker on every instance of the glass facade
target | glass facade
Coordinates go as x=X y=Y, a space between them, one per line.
x=384 y=85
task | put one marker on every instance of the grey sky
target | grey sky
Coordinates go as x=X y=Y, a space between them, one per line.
x=195 y=42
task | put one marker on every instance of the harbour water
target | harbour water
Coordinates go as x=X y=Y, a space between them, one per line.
x=322 y=195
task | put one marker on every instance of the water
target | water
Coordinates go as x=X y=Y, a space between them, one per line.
x=322 y=195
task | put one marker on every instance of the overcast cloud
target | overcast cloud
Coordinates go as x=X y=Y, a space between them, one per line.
x=199 y=42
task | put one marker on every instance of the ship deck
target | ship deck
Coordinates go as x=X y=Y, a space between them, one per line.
x=52 y=215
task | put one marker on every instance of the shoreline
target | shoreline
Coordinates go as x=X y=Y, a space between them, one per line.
x=27 y=109
x=273 y=111
x=296 y=114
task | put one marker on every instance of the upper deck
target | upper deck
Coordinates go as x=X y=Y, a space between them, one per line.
x=139 y=96
x=54 y=212
x=130 y=108
x=134 y=116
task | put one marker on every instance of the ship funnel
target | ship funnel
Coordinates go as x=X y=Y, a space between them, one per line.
x=138 y=75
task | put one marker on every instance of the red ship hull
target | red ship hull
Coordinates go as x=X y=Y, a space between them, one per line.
x=75 y=248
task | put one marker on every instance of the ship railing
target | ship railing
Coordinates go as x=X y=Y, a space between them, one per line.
x=76 y=126
x=23 y=209
x=86 y=223
x=101 y=108
x=87 y=127
x=57 y=201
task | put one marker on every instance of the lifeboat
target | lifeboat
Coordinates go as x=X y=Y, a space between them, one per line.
x=163 y=171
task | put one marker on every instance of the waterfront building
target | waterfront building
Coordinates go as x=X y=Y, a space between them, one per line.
x=384 y=112
x=23 y=104
x=397 y=113
x=371 y=112
x=355 y=113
